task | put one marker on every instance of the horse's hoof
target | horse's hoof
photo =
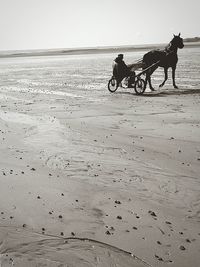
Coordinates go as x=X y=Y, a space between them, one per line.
x=176 y=87
x=152 y=89
x=161 y=85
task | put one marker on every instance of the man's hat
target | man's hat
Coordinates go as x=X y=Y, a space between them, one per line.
x=120 y=55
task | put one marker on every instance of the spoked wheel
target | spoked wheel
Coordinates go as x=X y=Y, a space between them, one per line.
x=112 y=85
x=139 y=86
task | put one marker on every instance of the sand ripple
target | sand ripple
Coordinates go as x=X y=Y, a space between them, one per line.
x=40 y=250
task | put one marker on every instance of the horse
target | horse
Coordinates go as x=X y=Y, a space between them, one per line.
x=163 y=58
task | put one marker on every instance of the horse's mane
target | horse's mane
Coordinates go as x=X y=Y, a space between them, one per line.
x=168 y=46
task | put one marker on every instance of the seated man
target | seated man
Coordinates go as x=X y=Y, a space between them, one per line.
x=120 y=69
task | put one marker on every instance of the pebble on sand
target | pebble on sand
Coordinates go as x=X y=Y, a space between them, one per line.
x=159 y=258
x=108 y=232
x=182 y=247
x=152 y=213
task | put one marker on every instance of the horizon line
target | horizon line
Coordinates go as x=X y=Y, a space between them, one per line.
x=85 y=50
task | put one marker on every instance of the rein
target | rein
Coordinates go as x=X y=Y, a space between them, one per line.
x=169 y=49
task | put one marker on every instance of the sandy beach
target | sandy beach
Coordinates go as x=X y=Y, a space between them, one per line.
x=90 y=178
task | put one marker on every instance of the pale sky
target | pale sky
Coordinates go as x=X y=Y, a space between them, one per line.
x=40 y=24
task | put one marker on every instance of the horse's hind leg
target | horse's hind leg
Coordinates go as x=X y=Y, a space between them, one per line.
x=150 y=85
x=148 y=80
x=166 y=77
x=148 y=77
x=145 y=82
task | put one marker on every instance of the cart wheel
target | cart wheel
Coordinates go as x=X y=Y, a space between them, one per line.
x=139 y=86
x=112 y=85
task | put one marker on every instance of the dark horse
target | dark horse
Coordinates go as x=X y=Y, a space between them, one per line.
x=163 y=58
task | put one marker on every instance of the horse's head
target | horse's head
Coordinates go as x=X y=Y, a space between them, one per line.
x=177 y=41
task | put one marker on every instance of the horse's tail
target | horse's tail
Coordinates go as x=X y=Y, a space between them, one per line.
x=147 y=60
x=136 y=65
x=144 y=64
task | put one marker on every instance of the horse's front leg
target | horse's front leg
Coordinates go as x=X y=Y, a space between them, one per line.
x=166 y=77
x=173 y=77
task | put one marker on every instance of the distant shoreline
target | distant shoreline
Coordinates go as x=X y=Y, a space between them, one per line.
x=82 y=51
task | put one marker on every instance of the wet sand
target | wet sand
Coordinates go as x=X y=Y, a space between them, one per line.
x=90 y=178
